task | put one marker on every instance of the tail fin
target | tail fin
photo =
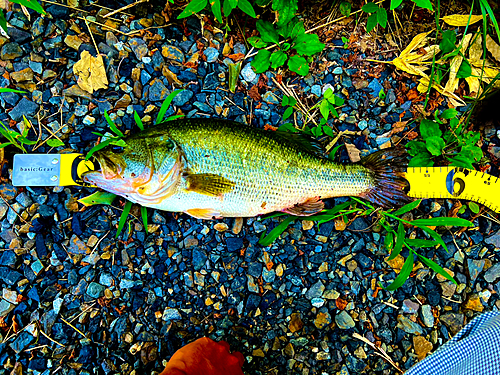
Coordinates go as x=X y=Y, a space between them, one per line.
x=388 y=167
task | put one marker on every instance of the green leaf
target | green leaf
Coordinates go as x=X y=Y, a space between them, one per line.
x=395 y=4
x=328 y=93
x=267 y=32
x=284 y=101
x=371 y=22
x=4 y=89
x=5 y=144
x=288 y=127
x=324 y=108
x=345 y=8
x=285 y=10
x=297 y=30
x=216 y=9
x=257 y=42
x=54 y=142
x=460 y=161
x=328 y=131
x=277 y=59
x=421 y=243
x=298 y=65
x=308 y=44
x=382 y=17
x=370 y=8
x=292 y=101
x=442 y=221
x=332 y=153
x=474 y=207
x=436 y=268
x=144 y=215
x=26 y=141
x=174 y=117
x=98 y=147
x=246 y=7
x=448 y=43
x=435 y=145
x=100 y=197
x=234 y=73
x=3 y=25
x=288 y=113
x=426 y=4
x=261 y=61
x=32 y=4
x=389 y=241
x=416 y=147
x=403 y=274
x=429 y=128
x=228 y=6
x=123 y=217
x=473 y=153
x=166 y=104
x=449 y=113
x=193 y=7
x=286 y=29
x=276 y=232
x=422 y=160
x=400 y=238
x=112 y=125
x=262 y=3
x=138 y=120
x=465 y=70
x=407 y=207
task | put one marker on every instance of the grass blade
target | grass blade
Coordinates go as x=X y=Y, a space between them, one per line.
x=420 y=243
x=434 y=235
x=165 y=105
x=112 y=125
x=400 y=237
x=403 y=274
x=436 y=267
x=123 y=218
x=4 y=89
x=138 y=120
x=144 y=215
x=101 y=197
x=98 y=147
x=276 y=232
x=408 y=207
x=442 y=221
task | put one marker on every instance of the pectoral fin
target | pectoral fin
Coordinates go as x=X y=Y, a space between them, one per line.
x=208 y=184
x=204 y=213
x=309 y=207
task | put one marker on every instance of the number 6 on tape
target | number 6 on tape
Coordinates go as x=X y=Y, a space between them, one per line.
x=454 y=182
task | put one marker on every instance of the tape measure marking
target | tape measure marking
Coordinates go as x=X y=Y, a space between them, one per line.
x=453 y=183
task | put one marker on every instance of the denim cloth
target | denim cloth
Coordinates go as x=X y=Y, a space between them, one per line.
x=474 y=350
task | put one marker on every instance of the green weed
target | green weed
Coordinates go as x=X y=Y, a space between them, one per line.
x=15 y=138
x=291 y=36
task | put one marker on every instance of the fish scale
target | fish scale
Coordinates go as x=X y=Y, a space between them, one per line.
x=254 y=171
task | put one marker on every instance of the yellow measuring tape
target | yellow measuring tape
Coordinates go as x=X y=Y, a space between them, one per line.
x=454 y=183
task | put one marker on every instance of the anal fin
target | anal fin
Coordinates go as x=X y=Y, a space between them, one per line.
x=204 y=213
x=208 y=184
x=307 y=208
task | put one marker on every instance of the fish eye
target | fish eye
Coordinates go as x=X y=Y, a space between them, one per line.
x=117 y=149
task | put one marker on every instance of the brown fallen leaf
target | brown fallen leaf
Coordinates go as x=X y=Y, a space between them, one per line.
x=91 y=73
x=254 y=93
x=353 y=152
x=493 y=47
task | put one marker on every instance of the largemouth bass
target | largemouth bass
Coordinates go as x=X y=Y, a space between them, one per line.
x=210 y=168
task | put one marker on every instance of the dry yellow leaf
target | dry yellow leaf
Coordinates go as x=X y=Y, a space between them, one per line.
x=418 y=41
x=91 y=73
x=493 y=47
x=476 y=48
x=461 y=19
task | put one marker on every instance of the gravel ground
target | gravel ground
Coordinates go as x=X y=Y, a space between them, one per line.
x=77 y=301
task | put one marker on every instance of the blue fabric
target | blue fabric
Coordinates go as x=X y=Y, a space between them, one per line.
x=474 y=350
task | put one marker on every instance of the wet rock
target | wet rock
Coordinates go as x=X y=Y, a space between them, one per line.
x=10 y=51
x=296 y=323
x=323 y=319
x=421 y=346
x=493 y=273
x=315 y=290
x=344 y=320
x=173 y=53
x=139 y=47
x=157 y=90
x=22 y=75
x=453 y=321
x=427 y=316
x=24 y=107
x=408 y=325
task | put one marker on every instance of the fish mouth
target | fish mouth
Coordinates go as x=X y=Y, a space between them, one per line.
x=110 y=169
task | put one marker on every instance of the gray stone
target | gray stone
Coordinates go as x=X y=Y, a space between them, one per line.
x=453 y=321
x=212 y=54
x=24 y=107
x=10 y=51
x=139 y=47
x=494 y=240
x=427 y=316
x=171 y=314
x=344 y=320
x=408 y=326
x=493 y=273
x=316 y=290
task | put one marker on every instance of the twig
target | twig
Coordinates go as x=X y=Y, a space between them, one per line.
x=19 y=216
x=76 y=329
x=47 y=336
x=92 y=36
x=102 y=25
x=345 y=132
x=124 y=8
x=378 y=351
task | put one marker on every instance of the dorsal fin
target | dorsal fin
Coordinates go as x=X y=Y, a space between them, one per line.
x=303 y=141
